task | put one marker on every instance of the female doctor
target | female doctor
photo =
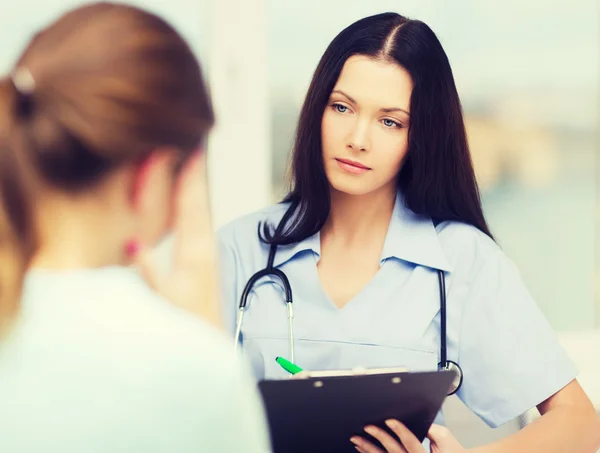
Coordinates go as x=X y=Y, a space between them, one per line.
x=383 y=247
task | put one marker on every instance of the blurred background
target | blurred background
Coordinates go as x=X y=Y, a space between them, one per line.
x=527 y=73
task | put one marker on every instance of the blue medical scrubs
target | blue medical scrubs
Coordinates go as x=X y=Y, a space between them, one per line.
x=509 y=354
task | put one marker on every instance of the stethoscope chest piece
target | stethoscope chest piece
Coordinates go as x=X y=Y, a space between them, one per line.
x=458 y=376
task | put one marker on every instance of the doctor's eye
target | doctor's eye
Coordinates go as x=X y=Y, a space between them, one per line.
x=391 y=124
x=340 y=108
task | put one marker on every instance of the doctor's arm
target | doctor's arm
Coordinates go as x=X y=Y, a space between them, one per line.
x=568 y=424
x=516 y=362
x=512 y=361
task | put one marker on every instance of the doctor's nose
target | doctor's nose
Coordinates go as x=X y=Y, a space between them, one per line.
x=359 y=138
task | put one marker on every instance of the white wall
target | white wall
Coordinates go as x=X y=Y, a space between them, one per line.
x=240 y=150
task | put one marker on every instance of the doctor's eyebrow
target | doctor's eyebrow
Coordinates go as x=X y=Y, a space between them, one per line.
x=350 y=98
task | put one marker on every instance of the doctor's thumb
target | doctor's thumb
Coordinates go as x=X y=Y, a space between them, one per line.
x=442 y=438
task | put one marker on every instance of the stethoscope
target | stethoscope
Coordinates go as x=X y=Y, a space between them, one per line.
x=271 y=271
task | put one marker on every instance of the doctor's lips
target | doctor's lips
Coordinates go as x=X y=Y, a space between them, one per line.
x=351 y=166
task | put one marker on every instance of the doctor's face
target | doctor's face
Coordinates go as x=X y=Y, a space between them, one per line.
x=364 y=129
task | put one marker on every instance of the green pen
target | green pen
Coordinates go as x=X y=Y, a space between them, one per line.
x=288 y=366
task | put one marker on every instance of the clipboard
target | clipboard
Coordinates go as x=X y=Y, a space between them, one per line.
x=319 y=412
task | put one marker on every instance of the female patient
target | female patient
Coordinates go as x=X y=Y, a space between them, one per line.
x=107 y=106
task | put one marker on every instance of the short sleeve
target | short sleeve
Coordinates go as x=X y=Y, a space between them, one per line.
x=510 y=356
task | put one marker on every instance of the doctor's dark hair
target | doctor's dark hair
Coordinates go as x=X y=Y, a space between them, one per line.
x=101 y=87
x=437 y=177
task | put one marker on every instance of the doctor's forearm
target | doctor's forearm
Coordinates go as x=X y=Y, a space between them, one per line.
x=564 y=429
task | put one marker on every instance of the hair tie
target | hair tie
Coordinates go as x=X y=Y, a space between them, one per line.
x=23 y=81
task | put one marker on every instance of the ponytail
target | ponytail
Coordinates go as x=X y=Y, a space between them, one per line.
x=17 y=242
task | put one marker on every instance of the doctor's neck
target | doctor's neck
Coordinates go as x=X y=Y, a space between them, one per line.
x=357 y=216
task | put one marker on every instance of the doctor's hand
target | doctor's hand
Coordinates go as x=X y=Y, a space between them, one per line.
x=191 y=280
x=442 y=441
